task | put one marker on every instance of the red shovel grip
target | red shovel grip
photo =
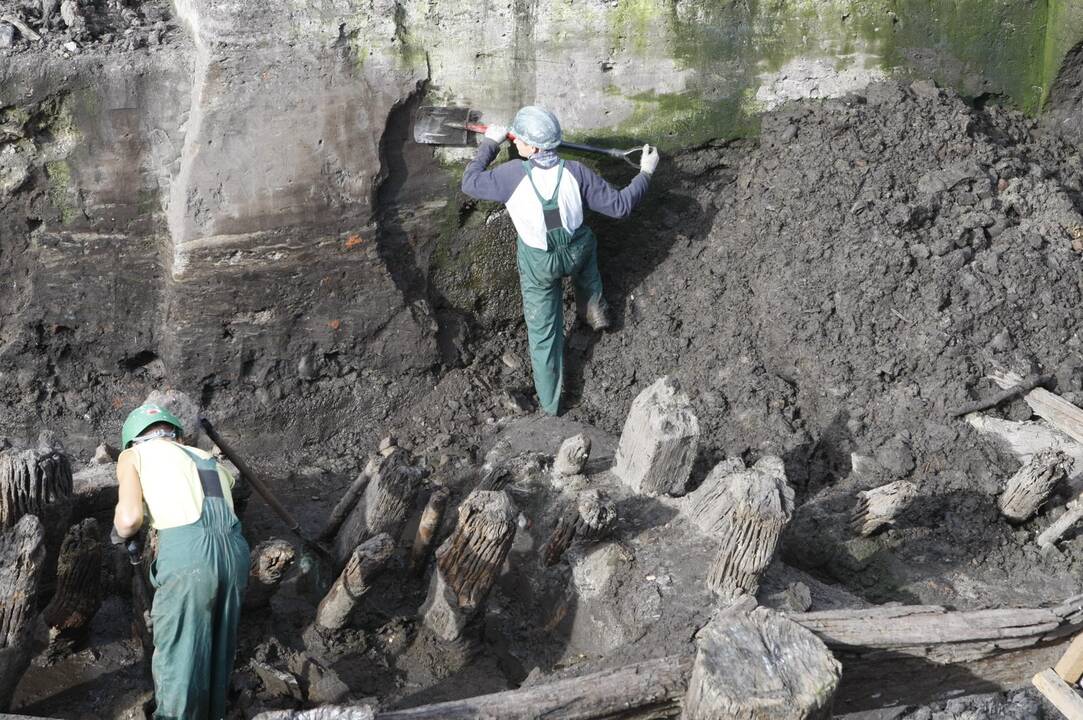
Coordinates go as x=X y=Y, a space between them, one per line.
x=478 y=128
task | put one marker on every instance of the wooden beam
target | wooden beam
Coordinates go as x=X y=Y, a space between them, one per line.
x=1060 y=413
x=649 y=689
x=1058 y=692
x=1070 y=665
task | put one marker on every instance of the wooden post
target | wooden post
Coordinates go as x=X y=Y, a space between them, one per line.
x=388 y=498
x=1058 y=692
x=429 y=525
x=1070 y=665
x=469 y=562
x=746 y=511
x=880 y=506
x=78 y=593
x=1073 y=513
x=344 y=507
x=760 y=666
x=38 y=482
x=268 y=564
x=659 y=441
x=1027 y=489
x=22 y=558
x=1060 y=413
x=367 y=560
x=572 y=456
x=589 y=520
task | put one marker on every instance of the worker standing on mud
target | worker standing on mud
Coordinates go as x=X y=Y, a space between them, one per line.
x=201 y=569
x=545 y=197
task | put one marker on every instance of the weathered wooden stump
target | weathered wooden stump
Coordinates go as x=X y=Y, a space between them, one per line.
x=38 y=482
x=746 y=511
x=880 y=506
x=383 y=508
x=268 y=564
x=468 y=562
x=572 y=456
x=760 y=666
x=427 y=528
x=367 y=560
x=78 y=593
x=1031 y=486
x=22 y=560
x=659 y=441
x=588 y=521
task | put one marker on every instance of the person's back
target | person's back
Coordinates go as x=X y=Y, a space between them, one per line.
x=546 y=198
x=201 y=569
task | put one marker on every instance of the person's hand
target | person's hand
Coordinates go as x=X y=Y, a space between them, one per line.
x=497 y=133
x=648 y=161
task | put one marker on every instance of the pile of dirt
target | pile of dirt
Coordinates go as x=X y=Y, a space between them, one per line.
x=70 y=26
x=873 y=259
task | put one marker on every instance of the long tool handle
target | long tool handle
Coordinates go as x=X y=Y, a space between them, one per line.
x=619 y=154
x=253 y=480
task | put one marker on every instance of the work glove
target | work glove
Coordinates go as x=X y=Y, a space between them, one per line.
x=648 y=161
x=497 y=133
x=133 y=545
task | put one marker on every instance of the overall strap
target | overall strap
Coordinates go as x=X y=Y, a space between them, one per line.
x=207 y=469
x=556 y=190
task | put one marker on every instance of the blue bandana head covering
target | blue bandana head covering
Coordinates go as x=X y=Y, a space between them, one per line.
x=538 y=127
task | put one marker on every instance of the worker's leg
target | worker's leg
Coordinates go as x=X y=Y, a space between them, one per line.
x=543 y=309
x=589 y=302
x=231 y=557
x=183 y=626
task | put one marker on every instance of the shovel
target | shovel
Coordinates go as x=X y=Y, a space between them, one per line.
x=452 y=125
x=265 y=492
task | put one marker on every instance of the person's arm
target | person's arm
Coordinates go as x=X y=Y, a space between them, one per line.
x=497 y=184
x=128 y=516
x=602 y=197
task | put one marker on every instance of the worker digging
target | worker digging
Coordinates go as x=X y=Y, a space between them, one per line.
x=201 y=567
x=546 y=197
x=568 y=360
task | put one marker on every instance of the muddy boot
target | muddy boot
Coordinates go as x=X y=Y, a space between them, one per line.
x=596 y=314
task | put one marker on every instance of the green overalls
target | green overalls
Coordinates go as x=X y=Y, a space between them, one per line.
x=540 y=275
x=200 y=576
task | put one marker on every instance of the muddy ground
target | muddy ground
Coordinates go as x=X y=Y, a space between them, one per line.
x=833 y=288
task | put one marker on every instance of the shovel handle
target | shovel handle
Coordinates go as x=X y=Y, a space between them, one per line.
x=256 y=483
x=624 y=155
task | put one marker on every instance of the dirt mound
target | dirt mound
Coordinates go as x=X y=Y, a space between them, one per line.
x=71 y=27
x=873 y=258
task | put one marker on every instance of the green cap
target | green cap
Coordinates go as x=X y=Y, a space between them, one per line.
x=143 y=417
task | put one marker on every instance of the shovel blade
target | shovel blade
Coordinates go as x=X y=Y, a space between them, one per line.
x=430 y=125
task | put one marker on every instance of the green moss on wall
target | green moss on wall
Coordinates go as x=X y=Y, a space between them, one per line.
x=61 y=190
x=1064 y=31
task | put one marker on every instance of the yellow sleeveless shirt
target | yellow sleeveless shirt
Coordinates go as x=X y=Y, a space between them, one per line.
x=172 y=493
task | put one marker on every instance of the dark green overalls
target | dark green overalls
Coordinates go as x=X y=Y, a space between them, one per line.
x=200 y=576
x=540 y=276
